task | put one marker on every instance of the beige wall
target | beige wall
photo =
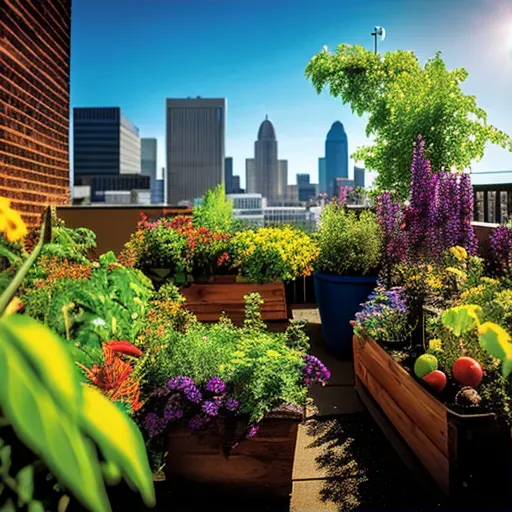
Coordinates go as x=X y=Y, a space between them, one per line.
x=112 y=225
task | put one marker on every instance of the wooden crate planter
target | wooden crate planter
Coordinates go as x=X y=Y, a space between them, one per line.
x=260 y=467
x=466 y=455
x=209 y=300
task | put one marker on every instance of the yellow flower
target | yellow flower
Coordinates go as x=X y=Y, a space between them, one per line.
x=273 y=353
x=13 y=306
x=457 y=272
x=435 y=345
x=11 y=222
x=459 y=252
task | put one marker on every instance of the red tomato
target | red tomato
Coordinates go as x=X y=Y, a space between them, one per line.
x=467 y=371
x=436 y=380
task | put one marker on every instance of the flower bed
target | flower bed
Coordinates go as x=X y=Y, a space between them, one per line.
x=448 y=392
x=462 y=453
x=216 y=262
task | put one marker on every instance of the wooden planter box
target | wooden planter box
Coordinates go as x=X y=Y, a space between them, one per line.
x=466 y=455
x=209 y=300
x=260 y=468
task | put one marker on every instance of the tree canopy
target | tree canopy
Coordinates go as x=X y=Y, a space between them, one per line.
x=402 y=100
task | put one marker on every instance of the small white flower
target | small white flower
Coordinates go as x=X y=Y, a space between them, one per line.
x=99 y=322
x=407 y=203
x=453 y=169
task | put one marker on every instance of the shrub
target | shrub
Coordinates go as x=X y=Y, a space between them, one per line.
x=255 y=370
x=349 y=245
x=215 y=213
x=273 y=253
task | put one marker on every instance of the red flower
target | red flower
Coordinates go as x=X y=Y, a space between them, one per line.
x=124 y=347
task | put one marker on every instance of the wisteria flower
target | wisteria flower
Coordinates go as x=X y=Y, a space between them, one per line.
x=216 y=385
x=252 y=431
x=192 y=394
x=210 y=408
x=177 y=383
x=231 y=404
x=154 y=424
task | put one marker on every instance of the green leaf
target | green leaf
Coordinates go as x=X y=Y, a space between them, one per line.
x=461 y=319
x=48 y=430
x=47 y=354
x=25 y=479
x=35 y=506
x=5 y=457
x=496 y=341
x=119 y=439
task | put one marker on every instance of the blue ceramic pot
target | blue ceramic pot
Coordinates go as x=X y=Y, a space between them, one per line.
x=339 y=298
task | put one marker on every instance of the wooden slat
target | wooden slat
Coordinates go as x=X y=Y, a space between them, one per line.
x=259 y=466
x=423 y=409
x=209 y=301
x=434 y=461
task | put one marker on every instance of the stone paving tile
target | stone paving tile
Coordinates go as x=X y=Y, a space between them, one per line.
x=332 y=400
x=342 y=372
x=307 y=451
x=306 y=497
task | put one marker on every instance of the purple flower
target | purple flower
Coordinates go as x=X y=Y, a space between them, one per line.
x=180 y=383
x=197 y=422
x=154 y=424
x=216 y=385
x=210 y=408
x=252 y=431
x=173 y=410
x=231 y=404
x=500 y=241
x=315 y=371
x=192 y=394
x=438 y=216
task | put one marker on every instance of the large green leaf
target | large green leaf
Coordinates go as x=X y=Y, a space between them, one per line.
x=48 y=430
x=119 y=440
x=496 y=341
x=46 y=353
x=461 y=318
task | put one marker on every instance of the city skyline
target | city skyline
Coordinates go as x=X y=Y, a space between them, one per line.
x=265 y=74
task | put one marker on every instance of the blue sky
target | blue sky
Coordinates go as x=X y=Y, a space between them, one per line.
x=136 y=53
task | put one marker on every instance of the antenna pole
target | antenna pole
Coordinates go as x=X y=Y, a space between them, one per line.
x=374 y=34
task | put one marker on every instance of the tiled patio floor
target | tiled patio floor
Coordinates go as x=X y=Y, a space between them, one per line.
x=342 y=460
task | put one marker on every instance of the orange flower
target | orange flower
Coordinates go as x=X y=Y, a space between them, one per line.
x=113 y=379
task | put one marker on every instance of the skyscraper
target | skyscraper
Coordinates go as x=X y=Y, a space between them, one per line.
x=105 y=142
x=251 y=183
x=282 y=179
x=228 y=175
x=148 y=159
x=336 y=156
x=266 y=181
x=359 y=177
x=195 y=147
x=34 y=104
x=322 y=176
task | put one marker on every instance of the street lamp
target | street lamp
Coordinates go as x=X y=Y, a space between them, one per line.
x=378 y=31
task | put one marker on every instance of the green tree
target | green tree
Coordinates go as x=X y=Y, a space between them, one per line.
x=216 y=212
x=403 y=99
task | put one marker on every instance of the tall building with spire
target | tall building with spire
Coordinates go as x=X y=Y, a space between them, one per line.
x=336 y=156
x=263 y=175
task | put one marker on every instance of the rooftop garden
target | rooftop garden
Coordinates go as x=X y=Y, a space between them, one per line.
x=115 y=369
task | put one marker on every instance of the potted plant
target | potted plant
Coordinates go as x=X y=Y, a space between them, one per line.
x=216 y=264
x=225 y=401
x=345 y=270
